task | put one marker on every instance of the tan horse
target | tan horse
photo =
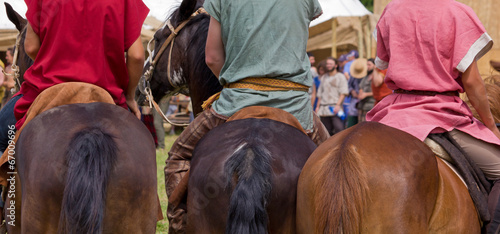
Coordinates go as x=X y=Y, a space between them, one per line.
x=372 y=178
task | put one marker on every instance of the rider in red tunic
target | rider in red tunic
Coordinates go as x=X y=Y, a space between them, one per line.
x=83 y=41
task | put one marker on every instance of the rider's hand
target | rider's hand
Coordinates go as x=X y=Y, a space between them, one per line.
x=134 y=108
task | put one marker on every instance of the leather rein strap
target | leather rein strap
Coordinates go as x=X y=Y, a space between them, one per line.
x=146 y=77
x=15 y=69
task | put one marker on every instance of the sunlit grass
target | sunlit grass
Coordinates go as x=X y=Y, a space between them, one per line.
x=161 y=156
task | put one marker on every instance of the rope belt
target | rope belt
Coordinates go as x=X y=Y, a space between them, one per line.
x=258 y=84
x=426 y=93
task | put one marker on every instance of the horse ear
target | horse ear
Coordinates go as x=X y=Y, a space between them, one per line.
x=186 y=9
x=15 y=18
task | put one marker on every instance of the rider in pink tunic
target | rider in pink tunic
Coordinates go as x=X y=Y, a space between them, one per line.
x=430 y=49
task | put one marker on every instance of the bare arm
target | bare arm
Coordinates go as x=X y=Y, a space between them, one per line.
x=476 y=92
x=378 y=78
x=362 y=94
x=31 y=43
x=135 y=61
x=214 y=50
x=313 y=95
x=338 y=106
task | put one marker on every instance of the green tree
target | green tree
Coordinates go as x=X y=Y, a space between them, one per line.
x=368 y=4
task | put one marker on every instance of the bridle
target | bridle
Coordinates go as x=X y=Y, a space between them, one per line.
x=16 y=73
x=144 y=84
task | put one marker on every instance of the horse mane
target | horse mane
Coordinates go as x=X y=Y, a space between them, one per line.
x=340 y=211
x=201 y=76
x=198 y=46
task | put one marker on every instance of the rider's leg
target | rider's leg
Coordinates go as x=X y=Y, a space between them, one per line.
x=7 y=120
x=487 y=157
x=319 y=132
x=178 y=164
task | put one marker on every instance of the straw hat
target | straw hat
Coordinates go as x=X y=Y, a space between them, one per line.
x=359 y=68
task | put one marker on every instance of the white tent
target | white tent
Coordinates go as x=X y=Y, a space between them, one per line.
x=339 y=8
x=352 y=23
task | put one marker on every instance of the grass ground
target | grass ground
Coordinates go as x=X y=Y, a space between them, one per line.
x=161 y=156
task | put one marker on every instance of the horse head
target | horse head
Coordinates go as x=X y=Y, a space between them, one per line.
x=23 y=60
x=180 y=66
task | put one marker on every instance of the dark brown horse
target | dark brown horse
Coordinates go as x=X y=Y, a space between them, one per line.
x=82 y=168
x=244 y=173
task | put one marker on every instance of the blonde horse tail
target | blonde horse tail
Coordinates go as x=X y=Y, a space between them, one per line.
x=342 y=193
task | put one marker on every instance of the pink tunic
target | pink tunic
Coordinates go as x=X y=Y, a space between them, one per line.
x=426 y=45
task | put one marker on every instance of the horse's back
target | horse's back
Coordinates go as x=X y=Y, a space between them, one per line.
x=43 y=165
x=212 y=177
x=369 y=178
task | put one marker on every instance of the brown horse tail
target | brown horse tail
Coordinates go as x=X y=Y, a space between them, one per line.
x=90 y=159
x=250 y=166
x=342 y=192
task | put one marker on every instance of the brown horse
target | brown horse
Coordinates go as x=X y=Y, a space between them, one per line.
x=244 y=173
x=372 y=178
x=82 y=168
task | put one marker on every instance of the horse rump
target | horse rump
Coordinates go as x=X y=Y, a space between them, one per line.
x=243 y=178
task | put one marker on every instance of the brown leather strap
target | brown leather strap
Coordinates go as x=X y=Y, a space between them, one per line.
x=426 y=93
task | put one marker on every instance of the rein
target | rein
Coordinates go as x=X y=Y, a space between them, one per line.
x=144 y=85
x=16 y=73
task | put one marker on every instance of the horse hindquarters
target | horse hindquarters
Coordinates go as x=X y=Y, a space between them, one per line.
x=368 y=179
x=59 y=188
x=252 y=165
x=454 y=211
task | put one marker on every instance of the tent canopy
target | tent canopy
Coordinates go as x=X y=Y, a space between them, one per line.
x=352 y=23
x=339 y=8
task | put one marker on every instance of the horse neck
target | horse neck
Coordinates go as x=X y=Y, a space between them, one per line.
x=201 y=89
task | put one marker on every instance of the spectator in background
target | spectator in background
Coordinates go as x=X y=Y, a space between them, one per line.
x=357 y=71
x=351 y=56
x=365 y=95
x=379 y=88
x=312 y=60
x=342 y=61
x=352 y=99
x=8 y=82
x=331 y=94
x=317 y=81
x=158 y=122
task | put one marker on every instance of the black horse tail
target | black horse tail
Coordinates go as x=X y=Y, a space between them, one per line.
x=90 y=159
x=251 y=167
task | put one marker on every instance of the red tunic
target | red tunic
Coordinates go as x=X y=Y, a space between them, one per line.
x=81 y=41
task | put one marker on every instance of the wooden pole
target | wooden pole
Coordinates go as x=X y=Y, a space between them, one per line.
x=334 y=37
x=361 y=46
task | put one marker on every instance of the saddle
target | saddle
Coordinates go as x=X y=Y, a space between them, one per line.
x=495 y=65
x=453 y=155
x=264 y=112
x=57 y=95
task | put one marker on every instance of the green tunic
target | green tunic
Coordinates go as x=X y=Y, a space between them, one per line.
x=265 y=38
